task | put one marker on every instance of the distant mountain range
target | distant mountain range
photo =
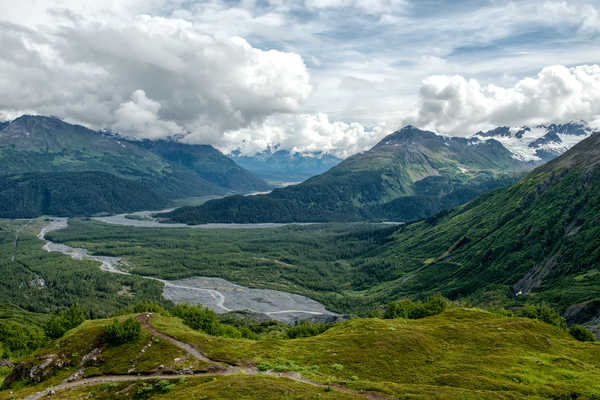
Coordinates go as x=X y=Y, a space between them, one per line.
x=283 y=167
x=36 y=151
x=410 y=174
x=540 y=143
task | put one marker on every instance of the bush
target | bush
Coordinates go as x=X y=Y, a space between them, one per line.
x=306 y=329
x=148 y=306
x=198 y=317
x=409 y=309
x=60 y=323
x=19 y=339
x=543 y=312
x=122 y=332
x=580 y=333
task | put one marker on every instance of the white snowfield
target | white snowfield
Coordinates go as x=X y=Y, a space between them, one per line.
x=523 y=148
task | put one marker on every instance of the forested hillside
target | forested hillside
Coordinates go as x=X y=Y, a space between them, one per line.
x=73 y=194
x=44 y=156
x=410 y=174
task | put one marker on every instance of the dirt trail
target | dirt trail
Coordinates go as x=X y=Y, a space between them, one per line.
x=220 y=370
x=145 y=321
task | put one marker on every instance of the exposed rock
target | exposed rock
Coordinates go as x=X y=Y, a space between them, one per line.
x=46 y=367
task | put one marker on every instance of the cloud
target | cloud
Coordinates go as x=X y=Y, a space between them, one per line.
x=218 y=66
x=86 y=70
x=460 y=106
x=138 y=117
x=304 y=133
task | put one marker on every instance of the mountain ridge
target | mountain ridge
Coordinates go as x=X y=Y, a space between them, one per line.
x=41 y=145
x=407 y=168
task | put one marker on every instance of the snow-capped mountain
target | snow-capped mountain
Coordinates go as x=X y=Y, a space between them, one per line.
x=281 y=167
x=540 y=143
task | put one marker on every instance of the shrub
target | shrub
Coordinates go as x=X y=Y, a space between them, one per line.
x=148 y=306
x=580 y=333
x=122 y=332
x=19 y=339
x=198 y=317
x=60 y=323
x=543 y=312
x=306 y=329
x=406 y=308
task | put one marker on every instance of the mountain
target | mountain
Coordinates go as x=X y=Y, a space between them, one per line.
x=410 y=174
x=206 y=162
x=534 y=241
x=283 y=166
x=73 y=194
x=37 y=144
x=540 y=143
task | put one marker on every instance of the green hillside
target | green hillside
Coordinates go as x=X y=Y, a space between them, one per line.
x=536 y=240
x=410 y=174
x=166 y=170
x=462 y=353
x=73 y=193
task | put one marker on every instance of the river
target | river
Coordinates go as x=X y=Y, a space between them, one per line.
x=217 y=294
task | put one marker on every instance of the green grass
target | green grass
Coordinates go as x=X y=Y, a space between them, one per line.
x=158 y=356
x=237 y=387
x=463 y=353
x=461 y=350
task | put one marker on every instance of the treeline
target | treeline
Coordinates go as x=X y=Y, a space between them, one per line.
x=350 y=196
x=73 y=194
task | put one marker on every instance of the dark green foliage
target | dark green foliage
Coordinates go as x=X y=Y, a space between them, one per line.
x=580 y=333
x=406 y=308
x=60 y=323
x=306 y=329
x=43 y=282
x=146 y=390
x=198 y=317
x=19 y=339
x=410 y=174
x=122 y=332
x=148 y=306
x=314 y=260
x=543 y=312
x=73 y=193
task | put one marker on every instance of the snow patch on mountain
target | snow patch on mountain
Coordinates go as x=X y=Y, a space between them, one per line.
x=540 y=143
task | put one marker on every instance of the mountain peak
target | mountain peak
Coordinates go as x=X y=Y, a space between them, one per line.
x=408 y=134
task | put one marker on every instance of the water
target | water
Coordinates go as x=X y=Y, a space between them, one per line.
x=217 y=294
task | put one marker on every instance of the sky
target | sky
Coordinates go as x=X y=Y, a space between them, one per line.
x=301 y=75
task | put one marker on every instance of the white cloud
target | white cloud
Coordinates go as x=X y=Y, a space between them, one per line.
x=208 y=67
x=138 y=117
x=86 y=70
x=455 y=105
x=304 y=133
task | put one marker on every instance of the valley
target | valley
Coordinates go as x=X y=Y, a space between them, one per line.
x=217 y=294
x=292 y=200
x=494 y=334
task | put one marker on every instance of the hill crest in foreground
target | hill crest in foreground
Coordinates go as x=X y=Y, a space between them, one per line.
x=461 y=353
